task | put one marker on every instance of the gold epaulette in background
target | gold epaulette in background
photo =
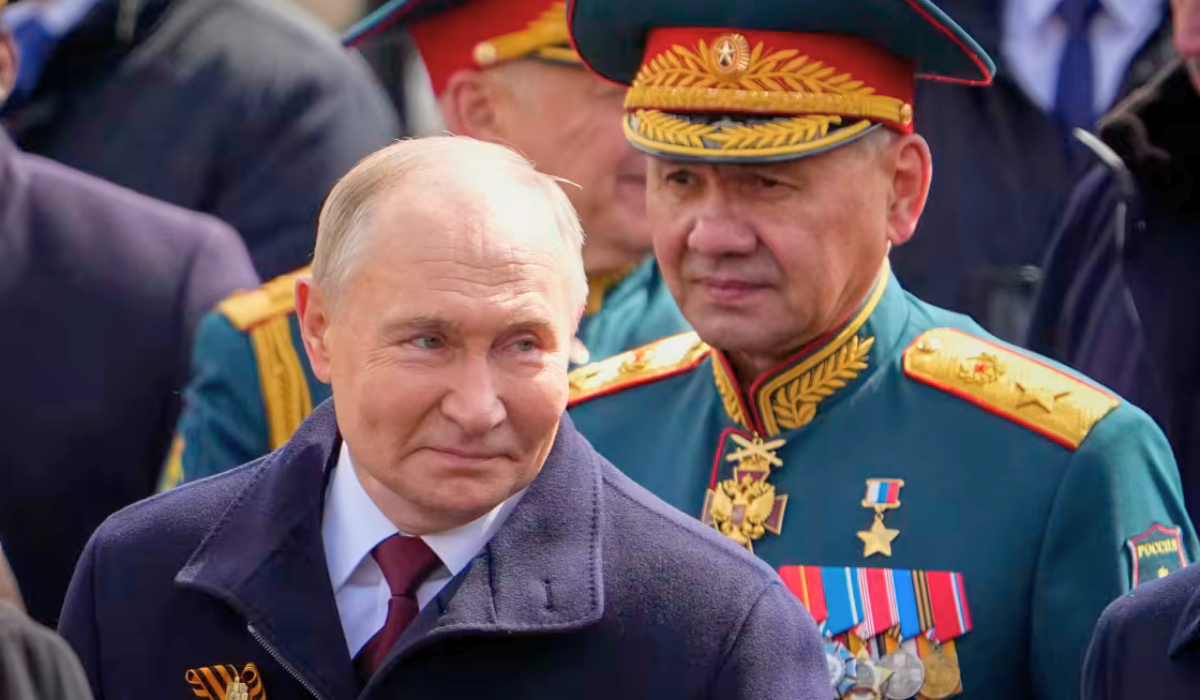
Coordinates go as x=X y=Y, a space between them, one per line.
x=263 y=314
x=1010 y=384
x=662 y=358
x=244 y=309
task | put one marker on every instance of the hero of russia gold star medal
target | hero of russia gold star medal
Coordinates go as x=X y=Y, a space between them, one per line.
x=882 y=495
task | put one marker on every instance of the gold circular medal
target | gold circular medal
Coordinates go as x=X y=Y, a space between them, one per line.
x=942 y=677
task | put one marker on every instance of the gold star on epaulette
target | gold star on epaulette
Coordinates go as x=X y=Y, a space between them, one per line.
x=1007 y=382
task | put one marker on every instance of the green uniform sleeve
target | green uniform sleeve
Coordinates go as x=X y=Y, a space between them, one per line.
x=224 y=420
x=1119 y=483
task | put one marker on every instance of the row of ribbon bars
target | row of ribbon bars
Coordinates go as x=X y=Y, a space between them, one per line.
x=869 y=602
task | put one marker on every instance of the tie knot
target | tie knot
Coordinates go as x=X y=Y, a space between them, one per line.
x=1078 y=14
x=405 y=561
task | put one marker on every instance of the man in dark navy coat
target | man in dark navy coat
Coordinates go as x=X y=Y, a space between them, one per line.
x=1121 y=288
x=1147 y=644
x=100 y=292
x=438 y=529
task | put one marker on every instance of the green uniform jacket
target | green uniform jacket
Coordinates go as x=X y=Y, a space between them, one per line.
x=1017 y=473
x=251 y=384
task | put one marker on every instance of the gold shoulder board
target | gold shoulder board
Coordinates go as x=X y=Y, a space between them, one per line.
x=662 y=358
x=263 y=314
x=245 y=309
x=1008 y=383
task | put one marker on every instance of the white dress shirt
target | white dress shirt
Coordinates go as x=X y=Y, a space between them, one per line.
x=353 y=525
x=1034 y=40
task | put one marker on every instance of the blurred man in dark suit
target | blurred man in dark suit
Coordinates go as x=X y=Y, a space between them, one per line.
x=1122 y=287
x=244 y=109
x=100 y=292
x=1004 y=157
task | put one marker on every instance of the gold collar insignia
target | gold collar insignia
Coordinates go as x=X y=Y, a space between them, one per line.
x=787 y=398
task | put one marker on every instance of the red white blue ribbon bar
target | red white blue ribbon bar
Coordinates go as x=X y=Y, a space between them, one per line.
x=871 y=601
x=883 y=492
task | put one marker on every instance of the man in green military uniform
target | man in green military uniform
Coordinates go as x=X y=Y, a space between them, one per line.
x=503 y=70
x=955 y=512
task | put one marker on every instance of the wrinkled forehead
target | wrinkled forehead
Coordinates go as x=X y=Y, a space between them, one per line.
x=492 y=221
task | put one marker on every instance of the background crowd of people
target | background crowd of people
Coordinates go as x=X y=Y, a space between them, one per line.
x=163 y=164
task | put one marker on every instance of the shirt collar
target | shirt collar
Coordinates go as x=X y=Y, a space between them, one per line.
x=353 y=525
x=1035 y=13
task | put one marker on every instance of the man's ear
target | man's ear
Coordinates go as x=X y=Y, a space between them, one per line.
x=471 y=106
x=8 y=64
x=913 y=172
x=312 y=309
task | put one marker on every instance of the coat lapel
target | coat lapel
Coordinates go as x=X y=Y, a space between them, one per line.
x=266 y=560
x=541 y=572
x=1187 y=630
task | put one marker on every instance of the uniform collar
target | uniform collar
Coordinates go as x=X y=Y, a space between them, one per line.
x=791 y=395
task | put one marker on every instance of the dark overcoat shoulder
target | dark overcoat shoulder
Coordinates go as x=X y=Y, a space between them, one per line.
x=100 y=293
x=592 y=588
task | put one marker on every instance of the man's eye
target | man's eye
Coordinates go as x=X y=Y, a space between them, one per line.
x=525 y=345
x=429 y=342
x=767 y=183
x=680 y=177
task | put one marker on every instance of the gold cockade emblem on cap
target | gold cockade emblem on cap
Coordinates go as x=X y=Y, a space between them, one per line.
x=730 y=56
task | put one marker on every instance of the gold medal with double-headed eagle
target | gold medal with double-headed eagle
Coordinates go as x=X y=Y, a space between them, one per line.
x=746 y=507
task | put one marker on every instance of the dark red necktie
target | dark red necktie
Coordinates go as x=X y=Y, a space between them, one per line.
x=406 y=562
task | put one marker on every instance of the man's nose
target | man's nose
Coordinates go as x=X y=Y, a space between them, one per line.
x=719 y=233
x=472 y=400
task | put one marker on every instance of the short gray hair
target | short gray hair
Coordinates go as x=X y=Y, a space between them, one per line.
x=349 y=210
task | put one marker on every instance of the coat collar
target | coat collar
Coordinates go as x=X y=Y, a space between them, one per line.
x=789 y=396
x=1187 y=631
x=1153 y=129
x=265 y=557
x=541 y=572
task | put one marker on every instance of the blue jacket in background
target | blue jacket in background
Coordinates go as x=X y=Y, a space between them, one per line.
x=100 y=293
x=248 y=110
x=1122 y=285
x=1146 y=643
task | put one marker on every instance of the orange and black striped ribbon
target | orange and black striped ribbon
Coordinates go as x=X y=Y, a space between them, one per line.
x=212 y=681
x=924 y=607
